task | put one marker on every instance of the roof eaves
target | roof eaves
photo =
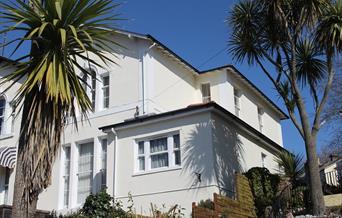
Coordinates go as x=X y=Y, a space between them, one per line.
x=173 y=54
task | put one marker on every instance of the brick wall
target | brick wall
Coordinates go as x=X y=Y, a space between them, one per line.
x=242 y=207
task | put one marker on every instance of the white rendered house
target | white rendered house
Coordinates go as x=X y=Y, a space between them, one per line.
x=162 y=131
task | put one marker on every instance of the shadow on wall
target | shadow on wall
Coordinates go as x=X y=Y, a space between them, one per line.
x=216 y=165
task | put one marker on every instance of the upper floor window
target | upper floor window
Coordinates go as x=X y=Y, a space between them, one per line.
x=206 y=95
x=263 y=159
x=237 y=102
x=260 y=118
x=105 y=91
x=89 y=85
x=2 y=114
x=96 y=89
x=158 y=153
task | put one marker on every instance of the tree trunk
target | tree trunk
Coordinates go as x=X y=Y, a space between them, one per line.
x=316 y=192
x=21 y=207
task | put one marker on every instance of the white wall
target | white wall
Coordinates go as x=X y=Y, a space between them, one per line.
x=171 y=86
x=176 y=185
x=249 y=103
x=238 y=151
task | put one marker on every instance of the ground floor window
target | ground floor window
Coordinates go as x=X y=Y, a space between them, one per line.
x=85 y=171
x=103 y=169
x=158 y=153
x=66 y=176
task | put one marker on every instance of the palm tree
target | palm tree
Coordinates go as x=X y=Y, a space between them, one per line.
x=291 y=165
x=298 y=39
x=63 y=34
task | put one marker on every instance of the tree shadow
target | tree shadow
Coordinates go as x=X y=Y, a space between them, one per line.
x=214 y=151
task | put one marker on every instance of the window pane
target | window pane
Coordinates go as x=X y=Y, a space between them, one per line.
x=93 y=88
x=176 y=143
x=85 y=171
x=159 y=160
x=141 y=147
x=141 y=163
x=105 y=91
x=158 y=145
x=105 y=80
x=104 y=153
x=66 y=175
x=103 y=170
x=177 y=157
x=205 y=89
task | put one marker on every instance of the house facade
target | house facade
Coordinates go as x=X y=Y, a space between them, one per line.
x=161 y=132
x=331 y=171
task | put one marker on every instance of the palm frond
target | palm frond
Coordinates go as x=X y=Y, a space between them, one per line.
x=62 y=33
x=292 y=165
x=311 y=69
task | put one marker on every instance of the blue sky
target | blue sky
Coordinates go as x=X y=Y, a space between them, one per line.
x=196 y=30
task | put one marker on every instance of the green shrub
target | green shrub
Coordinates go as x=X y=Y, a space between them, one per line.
x=209 y=204
x=98 y=205
x=264 y=187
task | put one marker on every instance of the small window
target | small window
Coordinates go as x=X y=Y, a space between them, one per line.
x=2 y=114
x=263 y=159
x=7 y=177
x=158 y=153
x=237 y=102
x=176 y=149
x=206 y=95
x=105 y=91
x=260 y=118
x=93 y=88
x=89 y=86
x=141 y=156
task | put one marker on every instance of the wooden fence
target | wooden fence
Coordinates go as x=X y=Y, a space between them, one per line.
x=242 y=207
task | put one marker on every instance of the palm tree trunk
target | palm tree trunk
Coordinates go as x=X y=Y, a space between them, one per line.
x=22 y=207
x=316 y=192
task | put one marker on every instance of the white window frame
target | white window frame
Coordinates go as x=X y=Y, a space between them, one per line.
x=206 y=99
x=237 y=101
x=89 y=80
x=260 y=118
x=65 y=174
x=147 y=155
x=103 y=97
x=103 y=169
x=79 y=144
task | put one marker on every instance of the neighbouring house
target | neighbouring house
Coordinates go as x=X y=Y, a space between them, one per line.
x=331 y=171
x=161 y=130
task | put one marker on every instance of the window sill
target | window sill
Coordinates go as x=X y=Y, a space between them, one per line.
x=157 y=171
x=6 y=136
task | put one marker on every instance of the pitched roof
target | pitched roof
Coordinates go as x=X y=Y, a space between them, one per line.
x=282 y=114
